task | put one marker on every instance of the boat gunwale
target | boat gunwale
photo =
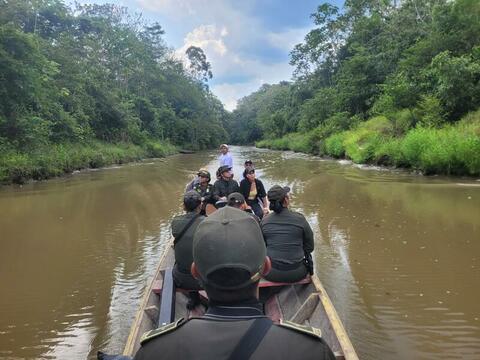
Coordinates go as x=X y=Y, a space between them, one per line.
x=334 y=320
x=133 y=334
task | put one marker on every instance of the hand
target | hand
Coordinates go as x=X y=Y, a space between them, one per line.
x=265 y=211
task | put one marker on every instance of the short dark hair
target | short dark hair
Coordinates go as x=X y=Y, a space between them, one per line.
x=191 y=203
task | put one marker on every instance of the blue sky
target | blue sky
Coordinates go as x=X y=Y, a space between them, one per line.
x=246 y=41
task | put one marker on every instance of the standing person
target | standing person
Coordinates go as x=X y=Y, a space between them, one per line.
x=225 y=185
x=205 y=189
x=288 y=236
x=225 y=158
x=254 y=192
x=230 y=277
x=183 y=228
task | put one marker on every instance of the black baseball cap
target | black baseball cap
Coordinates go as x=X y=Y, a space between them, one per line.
x=277 y=193
x=235 y=199
x=248 y=162
x=229 y=249
x=224 y=168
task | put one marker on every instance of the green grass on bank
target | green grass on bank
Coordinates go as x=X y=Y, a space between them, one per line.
x=451 y=150
x=56 y=160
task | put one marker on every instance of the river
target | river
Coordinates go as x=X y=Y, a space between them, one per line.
x=398 y=253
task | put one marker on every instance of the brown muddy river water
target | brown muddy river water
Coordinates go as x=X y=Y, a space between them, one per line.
x=398 y=253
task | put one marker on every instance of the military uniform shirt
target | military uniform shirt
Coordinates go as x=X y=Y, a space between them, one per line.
x=215 y=335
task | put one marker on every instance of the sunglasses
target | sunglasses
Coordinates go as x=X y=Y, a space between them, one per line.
x=251 y=172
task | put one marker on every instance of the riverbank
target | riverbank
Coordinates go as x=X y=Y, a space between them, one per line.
x=57 y=160
x=450 y=150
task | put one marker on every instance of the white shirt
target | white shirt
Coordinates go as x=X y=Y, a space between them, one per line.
x=226 y=159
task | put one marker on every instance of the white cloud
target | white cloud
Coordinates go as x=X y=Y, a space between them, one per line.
x=226 y=33
x=208 y=37
x=260 y=74
x=288 y=39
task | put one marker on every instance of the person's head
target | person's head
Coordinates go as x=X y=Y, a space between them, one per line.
x=204 y=176
x=278 y=198
x=248 y=163
x=236 y=200
x=225 y=172
x=224 y=148
x=191 y=200
x=249 y=173
x=229 y=255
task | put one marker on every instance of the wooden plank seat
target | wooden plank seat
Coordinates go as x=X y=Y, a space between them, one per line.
x=265 y=283
x=167 y=301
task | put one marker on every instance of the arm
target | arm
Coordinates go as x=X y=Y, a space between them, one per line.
x=308 y=242
x=216 y=191
x=229 y=160
x=244 y=188
x=262 y=194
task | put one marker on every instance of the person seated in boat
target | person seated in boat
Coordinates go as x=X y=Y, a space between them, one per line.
x=225 y=185
x=234 y=326
x=205 y=189
x=288 y=236
x=254 y=191
x=246 y=164
x=237 y=201
x=195 y=181
x=183 y=228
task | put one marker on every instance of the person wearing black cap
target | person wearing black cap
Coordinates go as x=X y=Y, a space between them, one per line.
x=234 y=317
x=237 y=201
x=254 y=192
x=183 y=228
x=288 y=236
x=225 y=185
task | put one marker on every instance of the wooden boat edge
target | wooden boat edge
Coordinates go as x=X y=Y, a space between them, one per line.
x=325 y=301
x=133 y=335
x=347 y=347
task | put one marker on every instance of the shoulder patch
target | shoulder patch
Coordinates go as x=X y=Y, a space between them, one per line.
x=308 y=330
x=161 y=330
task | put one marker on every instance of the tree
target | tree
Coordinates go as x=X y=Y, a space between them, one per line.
x=199 y=66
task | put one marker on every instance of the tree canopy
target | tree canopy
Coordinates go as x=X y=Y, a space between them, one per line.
x=373 y=58
x=98 y=72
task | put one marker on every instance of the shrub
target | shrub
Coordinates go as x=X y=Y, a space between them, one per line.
x=334 y=145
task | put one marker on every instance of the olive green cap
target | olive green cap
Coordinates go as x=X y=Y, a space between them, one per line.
x=229 y=249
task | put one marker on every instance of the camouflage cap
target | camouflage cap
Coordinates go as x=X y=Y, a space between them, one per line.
x=204 y=173
x=229 y=249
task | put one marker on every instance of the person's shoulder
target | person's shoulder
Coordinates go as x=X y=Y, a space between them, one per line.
x=295 y=214
x=301 y=329
x=307 y=339
x=157 y=333
x=178 y=218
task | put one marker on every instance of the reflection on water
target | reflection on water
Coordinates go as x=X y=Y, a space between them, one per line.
x=398 y=253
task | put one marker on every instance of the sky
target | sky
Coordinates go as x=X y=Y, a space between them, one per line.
x=247 y=42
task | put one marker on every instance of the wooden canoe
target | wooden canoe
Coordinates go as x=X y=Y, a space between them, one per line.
x=306 y=303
